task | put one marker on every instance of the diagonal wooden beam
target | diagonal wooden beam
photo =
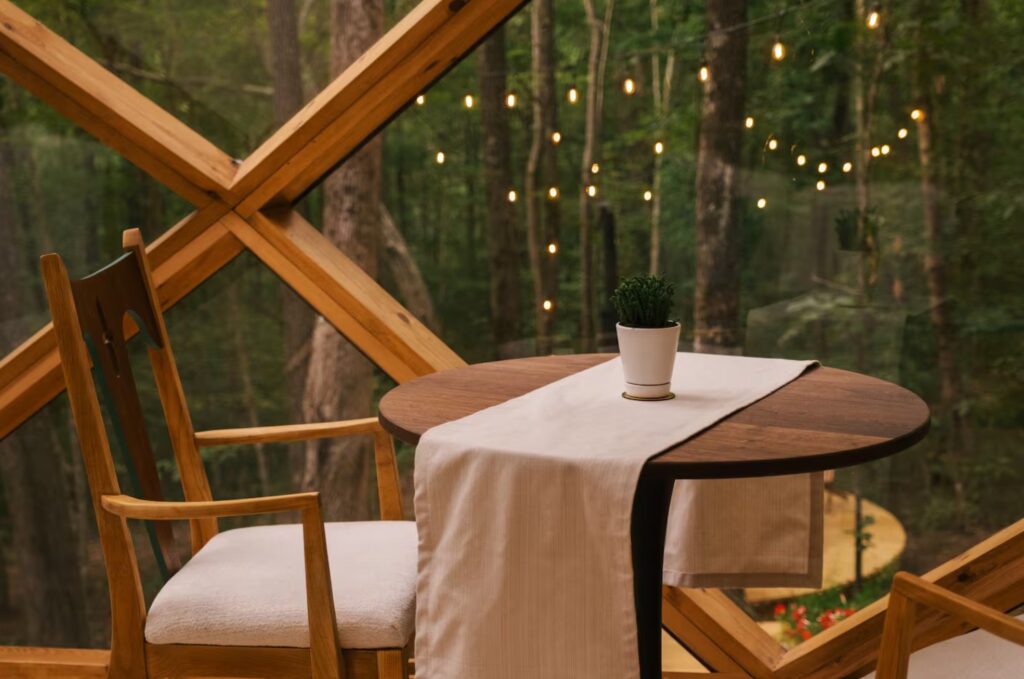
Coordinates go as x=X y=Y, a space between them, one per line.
x=109 y=109
x=343 y=294
x=434 y=36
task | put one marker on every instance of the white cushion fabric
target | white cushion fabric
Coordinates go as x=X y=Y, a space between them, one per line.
x=247 y=587
x=976 y=655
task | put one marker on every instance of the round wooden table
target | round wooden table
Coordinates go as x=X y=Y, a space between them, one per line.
x=825 y=419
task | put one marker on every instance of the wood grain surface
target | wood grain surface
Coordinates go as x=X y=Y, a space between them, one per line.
x=826 y=419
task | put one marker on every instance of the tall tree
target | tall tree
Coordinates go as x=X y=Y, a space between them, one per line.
x=717 y=293
x=597 y=62
x=49 y=594
x=502 y=239
x=661 y=90
x=339 y=382
x=543 y=215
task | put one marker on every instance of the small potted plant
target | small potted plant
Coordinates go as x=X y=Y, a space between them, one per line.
x=648 y=338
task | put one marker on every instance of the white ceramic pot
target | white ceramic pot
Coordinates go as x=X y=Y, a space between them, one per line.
x=648 y=358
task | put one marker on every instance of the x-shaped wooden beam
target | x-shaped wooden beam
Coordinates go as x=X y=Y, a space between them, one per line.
x=247 y=204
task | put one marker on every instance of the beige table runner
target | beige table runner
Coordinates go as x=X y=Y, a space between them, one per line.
x=523 y=511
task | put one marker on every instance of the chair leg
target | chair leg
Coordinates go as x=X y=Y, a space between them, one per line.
x=391 y=665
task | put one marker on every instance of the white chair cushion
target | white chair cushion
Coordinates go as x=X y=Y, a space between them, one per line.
x=976 y=655
x=247 y=587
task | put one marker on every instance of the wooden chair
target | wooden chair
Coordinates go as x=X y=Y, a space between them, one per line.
x=964 y=657
x=237 y=608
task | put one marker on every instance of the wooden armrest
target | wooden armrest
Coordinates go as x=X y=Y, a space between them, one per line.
x=286 y=432
x=134 y=508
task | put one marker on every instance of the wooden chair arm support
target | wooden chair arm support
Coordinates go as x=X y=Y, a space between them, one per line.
x=133 y=508
x=286 y=432
x=909 y=592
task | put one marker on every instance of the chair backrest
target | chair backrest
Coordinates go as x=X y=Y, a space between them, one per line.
x=99 y=314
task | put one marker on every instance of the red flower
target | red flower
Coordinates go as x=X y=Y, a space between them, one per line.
x=805 y=634
x=799 y=612
x=780 y=609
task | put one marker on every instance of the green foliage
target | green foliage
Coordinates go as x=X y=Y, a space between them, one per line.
x=644 y=301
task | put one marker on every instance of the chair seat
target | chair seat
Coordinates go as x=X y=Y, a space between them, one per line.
x=247 y=587
x=975 y=655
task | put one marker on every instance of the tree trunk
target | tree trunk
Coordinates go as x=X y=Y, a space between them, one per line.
x=502 y=240
x=717 y=294
x=339 y=382
x=542 y=212
x=296 y=316
x=597 y=62
x=411 y=287
x=661 y=90
x=49 y=595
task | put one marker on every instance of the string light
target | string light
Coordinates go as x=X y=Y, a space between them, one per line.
x=512 y=196
x=778 y=50
x=902 y=134
x=704 y=73
x=847 y=167
x=573 y=95
x=886 y=149
x=440 y=157
x=659 y=147
x=469 y=101
x=595 y=168
x=553 y=193
x=511 y=100
x=822 y=168
x=821 y=185
x=629 y=86
x=917 y=114
x=592 y=191
x=556 y=137
x=874 y=17
x=420 y=100
x=875 y=152
x=773 y=144
x=548 y=306
x=801 y=160
x=552 y=248
x=749 y=122
x=648 y=196
x=762 y=203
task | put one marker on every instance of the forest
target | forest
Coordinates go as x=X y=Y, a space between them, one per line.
x=831 y=179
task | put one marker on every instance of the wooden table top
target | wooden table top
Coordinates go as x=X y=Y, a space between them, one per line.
x=825 y=419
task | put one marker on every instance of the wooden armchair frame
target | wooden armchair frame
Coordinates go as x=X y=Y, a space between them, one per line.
x=116 y=311
x=910 y=592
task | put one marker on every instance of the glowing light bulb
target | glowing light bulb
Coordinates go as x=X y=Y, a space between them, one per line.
x=512 y=196
x=875 y=152
x=552 y=248
x=553 y=193
x=886 y=149
x=595 y=168
x=778 y=50
x=548 y=306
x=902 y=134
x=762 y=203
x=917 y=114
x=704 y=74
x=874 y=19
x=801 y=160
x=592 y=191
x=773 y=144
x=749 y=122
x=469 y=101
x=629 y=86
x=822 y=168
x=511 y=100
x=420 y=100
x=440 y=157
x=659 y=148
x=556 y=137
x=573 y=95
x=847 y=167
x=648 y=195
x=821 y=185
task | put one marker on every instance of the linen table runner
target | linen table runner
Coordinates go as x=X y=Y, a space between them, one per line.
x=523 y=511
